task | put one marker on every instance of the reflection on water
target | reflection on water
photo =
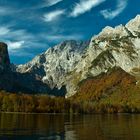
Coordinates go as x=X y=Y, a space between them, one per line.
x=65 y=127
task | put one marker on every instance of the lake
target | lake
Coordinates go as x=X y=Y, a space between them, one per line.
x=69 y=127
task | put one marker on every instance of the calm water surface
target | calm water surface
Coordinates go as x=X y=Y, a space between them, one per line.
x=66 y=127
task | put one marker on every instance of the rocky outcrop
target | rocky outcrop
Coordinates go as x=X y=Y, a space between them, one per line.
x=6 y=77
x=4 y=58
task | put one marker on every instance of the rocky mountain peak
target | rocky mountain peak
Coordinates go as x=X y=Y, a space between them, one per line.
x=134 y=22
x=68 y=46
x=134 y=25
x=4 y=57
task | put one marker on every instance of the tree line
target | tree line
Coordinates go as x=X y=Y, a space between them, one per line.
x=10 y=102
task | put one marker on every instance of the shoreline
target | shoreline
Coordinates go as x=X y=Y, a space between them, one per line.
x=32 y=113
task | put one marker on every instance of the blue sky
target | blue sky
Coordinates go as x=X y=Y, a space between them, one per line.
x=30 y=27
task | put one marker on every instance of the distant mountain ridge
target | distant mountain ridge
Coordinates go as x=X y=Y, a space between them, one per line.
x=70 y=62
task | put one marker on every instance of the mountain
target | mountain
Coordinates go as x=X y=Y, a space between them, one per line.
x=12 y=81
x=53 y=66
x=115 y=81
x=115 y=91
x=70 y=62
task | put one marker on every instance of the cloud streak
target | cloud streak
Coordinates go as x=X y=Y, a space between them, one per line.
x=15 y=38
x=54 y=15
x=52 y=2
x=15 y=45
x=5 y=11
x=58 y=38
x=4 y=31
x=110 y=14
x=46 y=3
x=84 y=6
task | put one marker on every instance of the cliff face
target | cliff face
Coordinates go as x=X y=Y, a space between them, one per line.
x=70 y=62
x=4 y=58
x=5 y=73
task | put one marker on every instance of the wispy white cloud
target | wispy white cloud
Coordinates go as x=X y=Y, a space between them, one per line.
x=8 y=10
x=46 y=3
x=14 y=38
x=110 y=14
x=52 y=2
x=58 y=38
x=13 y=46
x=84 y=6
x=54 y=15
x=20 y=42
x=5 y=11
x=4 y=31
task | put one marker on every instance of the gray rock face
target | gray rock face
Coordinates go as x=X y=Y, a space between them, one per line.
x=56 y=63
x=70 y=62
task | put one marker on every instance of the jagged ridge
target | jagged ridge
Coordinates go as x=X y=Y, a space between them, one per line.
x=70 y=62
